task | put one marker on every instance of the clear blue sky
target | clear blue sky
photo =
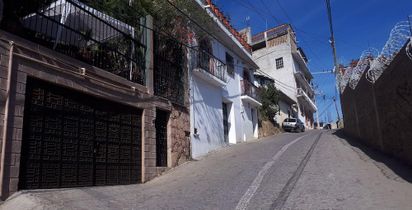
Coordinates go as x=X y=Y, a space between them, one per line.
x=358 y=24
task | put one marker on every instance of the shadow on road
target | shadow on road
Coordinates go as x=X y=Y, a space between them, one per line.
x=397 y=166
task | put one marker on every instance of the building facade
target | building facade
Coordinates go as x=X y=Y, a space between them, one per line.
x=85 y=101
x=224 y=100
x=278 y=56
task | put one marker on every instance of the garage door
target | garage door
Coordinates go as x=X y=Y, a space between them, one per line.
x=71 y=139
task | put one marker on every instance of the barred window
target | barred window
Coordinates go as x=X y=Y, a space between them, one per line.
x=279 y=63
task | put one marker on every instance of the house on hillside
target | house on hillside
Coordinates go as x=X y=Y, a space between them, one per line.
x=88 y=99
x=277 y=54
x=224 y=100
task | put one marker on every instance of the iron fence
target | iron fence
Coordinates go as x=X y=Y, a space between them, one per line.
x=249 y=89
x=79 y=31
x=211 y=64
x=169 y=75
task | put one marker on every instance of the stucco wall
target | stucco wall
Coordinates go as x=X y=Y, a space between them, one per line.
x=266 y=60
x=380 y=115
x=206 y=108
x=207 y=117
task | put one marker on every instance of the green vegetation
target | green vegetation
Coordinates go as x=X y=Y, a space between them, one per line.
x=269 y=98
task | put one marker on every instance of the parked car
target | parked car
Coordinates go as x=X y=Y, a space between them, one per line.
x=293 y=124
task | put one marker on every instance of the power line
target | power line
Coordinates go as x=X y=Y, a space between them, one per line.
x=270 y=12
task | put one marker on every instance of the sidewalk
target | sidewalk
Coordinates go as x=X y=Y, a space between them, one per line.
x=342 y=174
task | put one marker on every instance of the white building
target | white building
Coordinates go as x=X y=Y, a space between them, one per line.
x=278 y=56
x=224 y=104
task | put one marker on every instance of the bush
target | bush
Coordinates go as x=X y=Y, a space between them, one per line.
x=270 y=98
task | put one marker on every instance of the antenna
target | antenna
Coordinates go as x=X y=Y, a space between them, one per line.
x=247 y=21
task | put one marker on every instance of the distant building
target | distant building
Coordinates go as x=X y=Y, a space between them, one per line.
x=277 y=54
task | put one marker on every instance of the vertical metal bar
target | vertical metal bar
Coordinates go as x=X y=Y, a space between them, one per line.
x=63 y=18
x=132 y=55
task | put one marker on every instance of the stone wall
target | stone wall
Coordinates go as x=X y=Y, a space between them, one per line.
x=180 y=135
x=380 y=114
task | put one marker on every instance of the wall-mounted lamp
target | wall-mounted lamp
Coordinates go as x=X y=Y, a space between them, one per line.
x=83 y=71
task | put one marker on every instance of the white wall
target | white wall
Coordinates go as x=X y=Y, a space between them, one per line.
x=207 y=117
x=206 y=109
x=266 y=60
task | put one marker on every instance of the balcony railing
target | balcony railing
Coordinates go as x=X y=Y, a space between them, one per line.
x=302 y=93
x=79 y=31
x=301 y=77
x=211 y=64
x=169 y=76
x=249 y=89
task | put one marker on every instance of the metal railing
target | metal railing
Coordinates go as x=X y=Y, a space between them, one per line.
x=170 y=77
x=249 y=89
x=212 y=65
x=79 y=31
x=302 y=93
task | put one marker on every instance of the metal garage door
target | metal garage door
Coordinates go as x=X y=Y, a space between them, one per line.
x=72 y=139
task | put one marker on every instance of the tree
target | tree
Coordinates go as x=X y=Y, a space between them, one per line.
x=270 y=99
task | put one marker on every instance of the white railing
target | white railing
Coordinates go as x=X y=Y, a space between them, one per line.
x=302 y=93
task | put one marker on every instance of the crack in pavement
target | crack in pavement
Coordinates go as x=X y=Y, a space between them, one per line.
x=287 y=189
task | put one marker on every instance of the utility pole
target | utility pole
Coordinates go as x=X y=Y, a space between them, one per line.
x=332 y=43
x=332 y=36
x=317 y=114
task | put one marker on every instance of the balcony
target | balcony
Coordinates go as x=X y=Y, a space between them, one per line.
x=307 y=100
x=300 y=77
x=210 y=68
x=79 y=31
x=250 y=93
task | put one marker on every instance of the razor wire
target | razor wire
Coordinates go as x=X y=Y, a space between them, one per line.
x=364 y=63
x=409 y=49
x=343 y=80
x=398 y=37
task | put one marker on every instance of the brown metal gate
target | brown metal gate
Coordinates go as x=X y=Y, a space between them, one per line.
x=71 y=139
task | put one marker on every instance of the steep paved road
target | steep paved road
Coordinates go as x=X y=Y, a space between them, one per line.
x=311 y=170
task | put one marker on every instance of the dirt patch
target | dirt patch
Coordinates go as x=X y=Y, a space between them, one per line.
x=268 y=128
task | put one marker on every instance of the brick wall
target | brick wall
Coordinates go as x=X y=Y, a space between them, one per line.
x=380 y=114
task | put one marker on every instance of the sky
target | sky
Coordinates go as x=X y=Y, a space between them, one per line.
x=358 y=25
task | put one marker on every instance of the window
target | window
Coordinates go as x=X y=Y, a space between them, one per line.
x=279 y=63
x=230 y=62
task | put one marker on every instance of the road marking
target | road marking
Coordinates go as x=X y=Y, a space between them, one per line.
x=244 y=201
x=287 y=189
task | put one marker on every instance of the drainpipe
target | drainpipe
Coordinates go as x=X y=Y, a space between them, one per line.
x=6 y=119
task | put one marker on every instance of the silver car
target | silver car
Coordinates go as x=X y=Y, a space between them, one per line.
x=293 y=124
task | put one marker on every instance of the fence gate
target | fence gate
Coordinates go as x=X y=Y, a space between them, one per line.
x=71 y=139
x=162 y=118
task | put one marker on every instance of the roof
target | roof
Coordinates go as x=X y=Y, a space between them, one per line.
x=229 y=26
x=271 y=33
